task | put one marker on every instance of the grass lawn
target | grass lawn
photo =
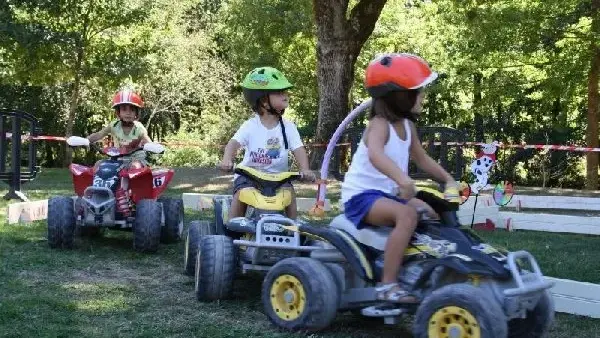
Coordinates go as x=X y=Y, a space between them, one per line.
x=104 y=289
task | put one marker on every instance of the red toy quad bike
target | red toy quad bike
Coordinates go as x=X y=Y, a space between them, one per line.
x=119 y=199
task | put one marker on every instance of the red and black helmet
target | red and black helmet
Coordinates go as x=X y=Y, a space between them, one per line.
x=127 y=97
x=397 y=71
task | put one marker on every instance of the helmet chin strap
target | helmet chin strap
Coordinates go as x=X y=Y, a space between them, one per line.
x=126 y=124
x=271 y=110
x=279 y=114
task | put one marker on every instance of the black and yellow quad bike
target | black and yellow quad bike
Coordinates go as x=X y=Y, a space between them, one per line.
x=466 y=288
x=214 y=253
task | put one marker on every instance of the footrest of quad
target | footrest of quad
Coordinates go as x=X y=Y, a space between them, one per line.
x=383 y=310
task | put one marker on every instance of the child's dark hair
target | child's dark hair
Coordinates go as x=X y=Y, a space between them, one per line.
x=394 y=105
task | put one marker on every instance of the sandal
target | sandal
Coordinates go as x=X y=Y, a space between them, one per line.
x=393 y=293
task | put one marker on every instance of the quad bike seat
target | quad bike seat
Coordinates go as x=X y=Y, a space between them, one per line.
x=374 y=237
x=267 y=183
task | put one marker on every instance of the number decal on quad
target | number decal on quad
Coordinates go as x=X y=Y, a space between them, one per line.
x=272 y=227
x=108 y=183
x=158 y=181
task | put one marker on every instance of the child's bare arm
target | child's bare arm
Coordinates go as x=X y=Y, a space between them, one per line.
x=230 y=150
x=97 y=136
x=302 y=158
x=146 y=139
x=424 y=161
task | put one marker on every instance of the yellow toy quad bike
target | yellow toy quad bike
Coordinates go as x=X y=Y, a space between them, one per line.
x=213 y=254
x=465 y=287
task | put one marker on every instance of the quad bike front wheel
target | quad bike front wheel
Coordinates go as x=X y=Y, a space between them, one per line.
x=196 y=231
x=538 y=321
x=299 y=293
x=460 y=311
x=215 y=268
x=61 y=222
x=173 y=211
x=221 y=211
x=146 y=226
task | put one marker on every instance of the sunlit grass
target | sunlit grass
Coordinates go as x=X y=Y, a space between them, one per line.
x=103 y=288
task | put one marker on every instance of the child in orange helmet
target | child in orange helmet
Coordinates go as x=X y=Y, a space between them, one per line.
x=377 y=190
x=127 y=133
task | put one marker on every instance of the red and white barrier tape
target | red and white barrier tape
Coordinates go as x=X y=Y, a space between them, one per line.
x=469 y=144
x=522 y=146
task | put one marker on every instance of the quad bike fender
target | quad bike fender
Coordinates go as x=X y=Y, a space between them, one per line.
x=347 y=246
x=253 y=198
x=82 y=177
x=140 y=183
x=160 y=180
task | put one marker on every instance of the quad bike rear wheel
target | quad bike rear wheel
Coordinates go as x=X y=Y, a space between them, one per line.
x=538 y=321
x=215 y=268
x=196 y=231
x=299 y=293
x=146 y=226
x=460 y=311
x=173 y=211
x=61 y=222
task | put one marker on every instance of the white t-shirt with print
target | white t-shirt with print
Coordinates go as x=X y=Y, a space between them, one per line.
x=264 y=148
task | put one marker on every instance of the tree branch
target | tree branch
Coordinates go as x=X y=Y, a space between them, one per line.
x=330 y=18
x=364 y=17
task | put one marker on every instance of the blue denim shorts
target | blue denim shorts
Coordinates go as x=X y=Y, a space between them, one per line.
x=357 y=207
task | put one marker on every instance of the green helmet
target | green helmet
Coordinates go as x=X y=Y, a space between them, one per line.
x=262 y=80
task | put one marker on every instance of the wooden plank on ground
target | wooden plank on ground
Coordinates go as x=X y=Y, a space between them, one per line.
x=27 y=211
x=555 y=202
x=579 y=298
x=552 y=222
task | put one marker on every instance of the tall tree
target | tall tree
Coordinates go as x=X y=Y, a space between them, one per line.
x=341 y=34
x=593 y=99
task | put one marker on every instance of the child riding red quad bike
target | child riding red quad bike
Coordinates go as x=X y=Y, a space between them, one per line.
x=110 y=195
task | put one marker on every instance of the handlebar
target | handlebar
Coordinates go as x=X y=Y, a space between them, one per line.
x=152 y=147
x=233 y=169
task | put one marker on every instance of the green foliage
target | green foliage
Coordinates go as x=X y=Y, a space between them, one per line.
x=189 y=150
x=187 y=59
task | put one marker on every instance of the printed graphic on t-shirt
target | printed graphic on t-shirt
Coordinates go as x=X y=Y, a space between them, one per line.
x=267 y=154
x=128 y=145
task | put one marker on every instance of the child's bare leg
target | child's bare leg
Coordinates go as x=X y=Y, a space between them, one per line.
x=291 y=210
x=386 y=212
x=96 y=165
x=419 y=204
x=135 y=164
x=237 y=208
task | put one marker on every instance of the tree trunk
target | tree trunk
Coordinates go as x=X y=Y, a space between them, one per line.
x=591 y=181
x=335 y=75
x=479 y=134
x=74 y=102
x=340 y=37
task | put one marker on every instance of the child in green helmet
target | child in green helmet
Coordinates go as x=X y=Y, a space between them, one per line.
x=267 y=136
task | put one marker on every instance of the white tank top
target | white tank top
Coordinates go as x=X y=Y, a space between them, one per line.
x=362 y=175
